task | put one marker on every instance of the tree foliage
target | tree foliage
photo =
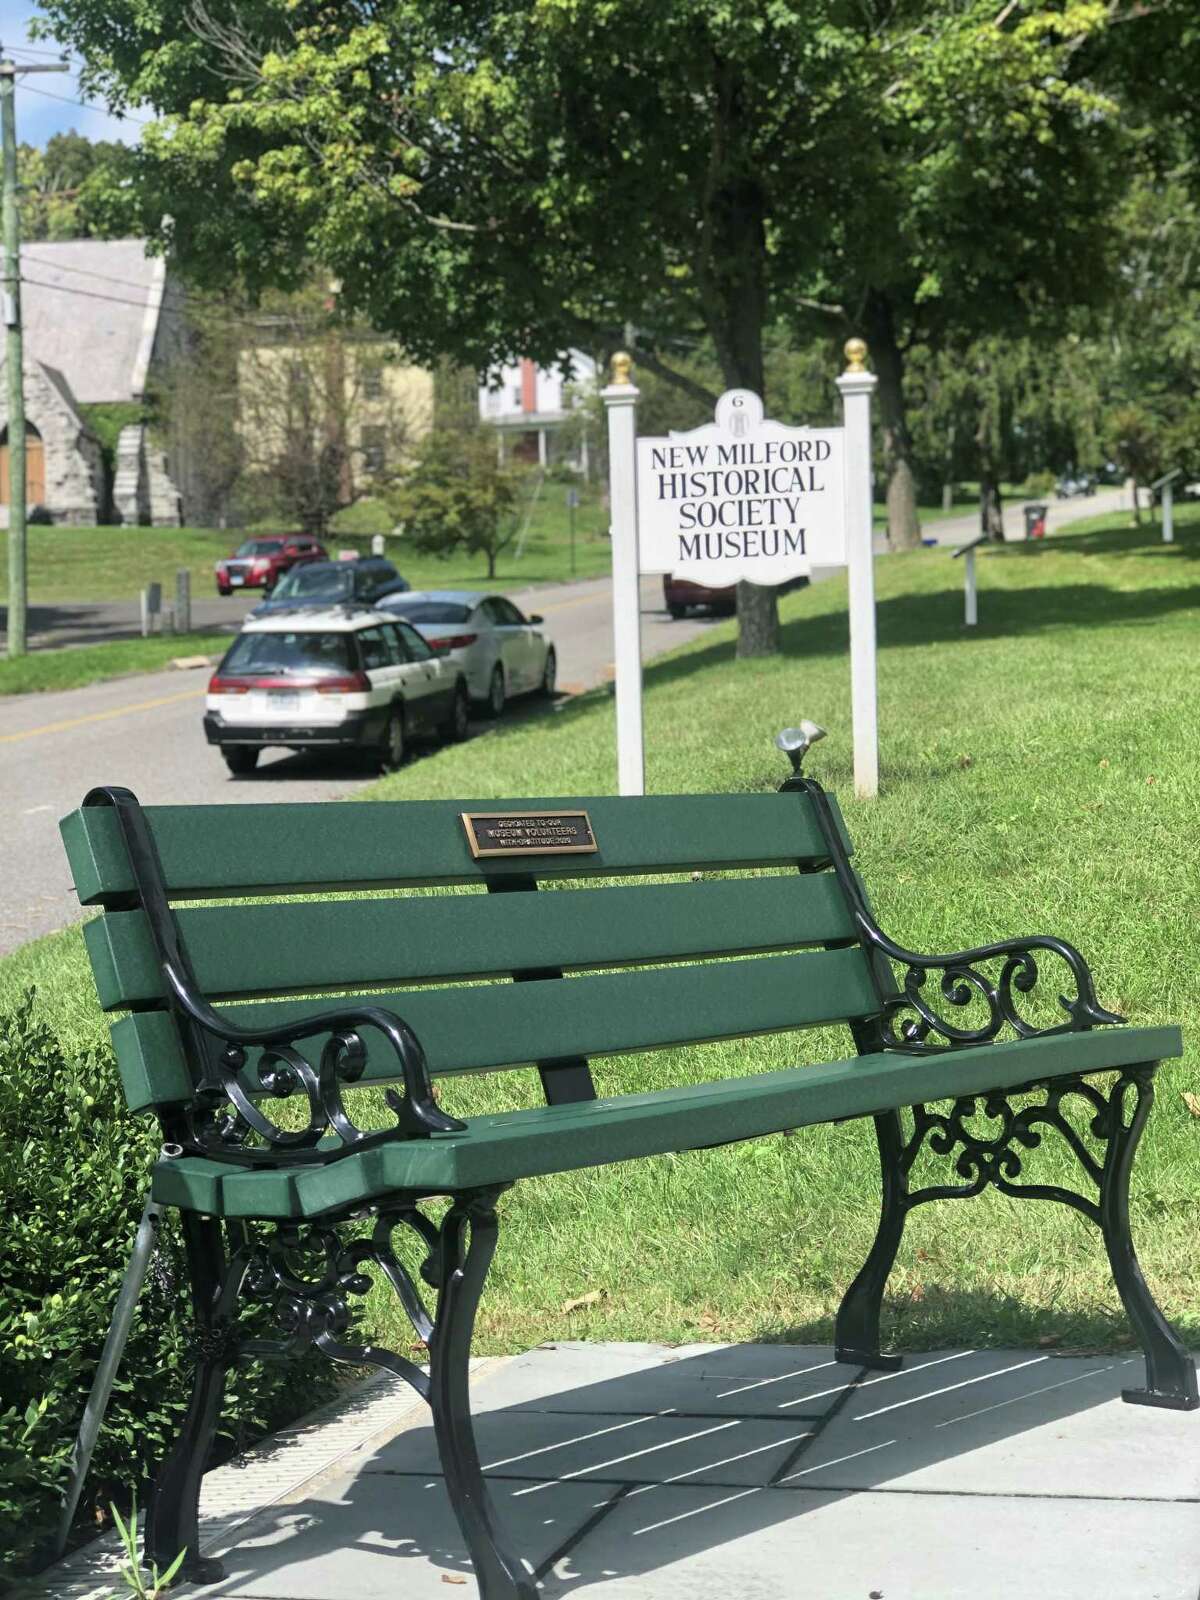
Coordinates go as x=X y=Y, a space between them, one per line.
x=457 y=496
x=493 y=181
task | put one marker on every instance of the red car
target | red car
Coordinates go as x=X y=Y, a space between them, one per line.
x=681 y=594
x=259 y=562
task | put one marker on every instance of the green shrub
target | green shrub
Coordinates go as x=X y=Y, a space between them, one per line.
x=73 y=1175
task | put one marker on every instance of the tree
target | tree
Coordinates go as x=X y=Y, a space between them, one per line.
x=77 y=188
x=492 y=181
x=457 y=496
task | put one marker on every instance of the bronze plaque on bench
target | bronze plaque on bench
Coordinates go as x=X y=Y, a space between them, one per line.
x=528 y=833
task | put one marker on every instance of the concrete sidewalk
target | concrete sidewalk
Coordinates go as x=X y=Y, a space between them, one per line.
x=762 y=1472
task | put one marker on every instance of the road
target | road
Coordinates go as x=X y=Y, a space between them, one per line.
x=144 y=732
x=959 y=530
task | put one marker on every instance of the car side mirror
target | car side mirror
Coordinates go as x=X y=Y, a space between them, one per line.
x=536 y=617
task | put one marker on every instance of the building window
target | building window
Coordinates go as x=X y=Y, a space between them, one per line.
x=372 y=381
x=372 y=444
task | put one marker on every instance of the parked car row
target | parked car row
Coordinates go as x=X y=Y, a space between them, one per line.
x=343 y=656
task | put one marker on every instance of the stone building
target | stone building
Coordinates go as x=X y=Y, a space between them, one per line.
x=101 y=319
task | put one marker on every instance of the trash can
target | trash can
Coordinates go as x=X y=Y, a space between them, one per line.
x=1035 y=521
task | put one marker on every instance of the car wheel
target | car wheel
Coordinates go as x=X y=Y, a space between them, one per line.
x=677 y=613
x=240 y=759
x=495 y=698
x=225 y=591
x=459 y=721
x=395 y=746
x=549 y=674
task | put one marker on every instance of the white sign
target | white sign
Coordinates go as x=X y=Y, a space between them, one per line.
x=742 y=497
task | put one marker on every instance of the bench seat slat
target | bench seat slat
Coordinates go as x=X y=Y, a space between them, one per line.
x=511 y=1145
x=306 y=946
x=478 y=1027
x=212 y=851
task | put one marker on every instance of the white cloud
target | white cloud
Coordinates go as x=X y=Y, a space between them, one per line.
x=46 y=101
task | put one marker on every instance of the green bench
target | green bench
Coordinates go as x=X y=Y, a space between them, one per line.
x=776 y=935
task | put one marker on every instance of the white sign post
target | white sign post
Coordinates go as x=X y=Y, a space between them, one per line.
x=1166 y=488
x=742 y=498
x=857 y=386
x=620 y=401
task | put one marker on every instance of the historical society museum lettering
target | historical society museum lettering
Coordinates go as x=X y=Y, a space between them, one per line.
x=741 y=497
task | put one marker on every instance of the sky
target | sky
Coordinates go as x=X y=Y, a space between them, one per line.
x=47 y=102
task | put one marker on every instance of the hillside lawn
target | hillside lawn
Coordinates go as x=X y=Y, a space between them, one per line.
x=1041 y=775
x=78 y=665
x=85 y=564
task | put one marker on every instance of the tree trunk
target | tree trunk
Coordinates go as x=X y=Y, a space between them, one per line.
x=904 y=522
x=731 y=272
x=991 y=511
x=1137 y=509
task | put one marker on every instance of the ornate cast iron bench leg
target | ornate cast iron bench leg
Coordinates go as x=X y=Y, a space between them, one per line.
x=996 y=1160
x=1170 y=1371
x=856 y=1332
x=463 y=1270
x=172 y=1518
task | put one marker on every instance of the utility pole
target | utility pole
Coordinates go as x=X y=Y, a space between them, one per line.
x=14 y=356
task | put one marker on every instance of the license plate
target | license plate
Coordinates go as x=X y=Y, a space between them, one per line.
x=284 y=699
x=235 y=578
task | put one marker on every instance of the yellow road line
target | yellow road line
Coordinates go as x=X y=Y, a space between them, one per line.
x=579 y=600
x=100 y=716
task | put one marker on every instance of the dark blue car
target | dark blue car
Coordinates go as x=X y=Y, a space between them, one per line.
x=329 y=583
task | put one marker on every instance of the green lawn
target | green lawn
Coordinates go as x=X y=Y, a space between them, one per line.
x=1041 y=774
x=117 y=563
x=72 y=667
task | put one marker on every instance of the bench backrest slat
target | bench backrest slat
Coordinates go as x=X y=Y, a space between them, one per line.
x=209 y=852
x=764 y=942
x=482 y=1027
x=307 y=946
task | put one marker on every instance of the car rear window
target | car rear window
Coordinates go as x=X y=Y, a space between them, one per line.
x=258 y=547
x=255 y=653
x=430 y=611
x=313 y=582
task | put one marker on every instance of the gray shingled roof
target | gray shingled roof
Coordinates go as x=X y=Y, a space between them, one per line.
x=100 y=345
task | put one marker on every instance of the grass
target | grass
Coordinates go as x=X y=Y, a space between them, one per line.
x=78 y=665
x=1041 y=773
x=90 y=564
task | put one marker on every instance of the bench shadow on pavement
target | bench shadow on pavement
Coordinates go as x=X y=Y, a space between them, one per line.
x=610 y=1463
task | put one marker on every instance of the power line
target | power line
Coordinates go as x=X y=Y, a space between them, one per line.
x=59 y=266
x=31 y=50
x=88 y=294
x=88 y=105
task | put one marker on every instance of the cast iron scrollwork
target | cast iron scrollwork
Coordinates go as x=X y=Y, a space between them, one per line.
x=308 y=1274
x=246 y=1135
x=995 y=1157
x=916 y=1021
x=282 y=1071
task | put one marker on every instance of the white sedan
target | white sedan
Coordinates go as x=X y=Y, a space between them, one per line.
x=499 y=651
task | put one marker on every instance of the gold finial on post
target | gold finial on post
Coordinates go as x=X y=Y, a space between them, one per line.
x=855 y=351
x=622 y=367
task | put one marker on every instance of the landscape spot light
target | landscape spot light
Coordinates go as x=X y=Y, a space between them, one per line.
x=796 y=742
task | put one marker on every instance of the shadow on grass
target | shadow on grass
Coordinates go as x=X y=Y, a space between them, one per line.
x=936 y=1316
x=1130 y=539
x=905 y=621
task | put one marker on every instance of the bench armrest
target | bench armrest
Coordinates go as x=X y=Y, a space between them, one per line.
x=909 y=1020
x=218 y=1048
x=283 y=1071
